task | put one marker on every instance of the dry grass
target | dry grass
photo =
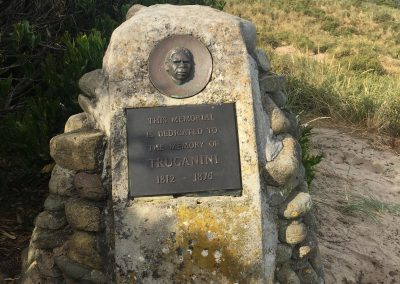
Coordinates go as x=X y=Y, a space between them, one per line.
x=344 y=56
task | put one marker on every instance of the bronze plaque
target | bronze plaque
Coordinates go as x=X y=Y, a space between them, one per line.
x=180 y=66
x=182 y=149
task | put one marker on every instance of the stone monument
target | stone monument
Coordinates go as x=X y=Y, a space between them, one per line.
x=184 y=166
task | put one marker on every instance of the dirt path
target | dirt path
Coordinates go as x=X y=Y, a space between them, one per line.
x=356 y=249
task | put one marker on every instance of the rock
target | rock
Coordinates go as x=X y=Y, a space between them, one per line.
x=286 y=169
x=48 y=239
x=78 y=150
x=54 y=202
x=89 y=186
x=272 y=83
x=133 y=10
x=95 y=276
x=83 y=215
x=276 y=196
x=310 y=220
x=293 y=129
x=61 y=181
x=280 y=124
x=279 y=97
x=249 y=34
x=304 y=251
x=262 y=60
x=82 y=248
x=28 y=256
x=296 y=206
x=286 y=275
x=308 y=275
x=292 y=233
x=77 y=122
x=52 y=220
x=71 y=268
x=90 y=81
x=46 y=265
x=32 y=275
x=317 y=265
x=283 y=253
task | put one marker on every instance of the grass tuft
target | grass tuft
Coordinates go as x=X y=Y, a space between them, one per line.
x=369 y=206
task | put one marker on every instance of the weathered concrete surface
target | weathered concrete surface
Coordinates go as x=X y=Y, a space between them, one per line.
x=224 y=239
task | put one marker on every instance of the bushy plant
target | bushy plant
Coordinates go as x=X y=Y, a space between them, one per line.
x=44 y=49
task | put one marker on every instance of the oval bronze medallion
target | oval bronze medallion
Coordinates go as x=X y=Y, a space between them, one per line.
x=180 y=66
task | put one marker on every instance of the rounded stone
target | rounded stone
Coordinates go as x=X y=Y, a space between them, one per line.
x=133 y=10
x=286 y=275
x=262 y=60
x=95 y=276
x=89 y=186
x=249 y=34
x=90 y=81
x=83 y=215
x=283 y=253
x=293 y=233
x=71 y=268
x=78 y=150
x=61 y=181
x=51 y=220
x=280 y=124
x=77 y=122
x=54 y=202
x=82 y=248
x=296 y=206
x=308 y=275
x=48 y=239
x=286 y=169
x=279 y=97
x=46 y=265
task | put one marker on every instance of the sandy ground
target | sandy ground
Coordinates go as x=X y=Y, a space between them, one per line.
x=356 y=248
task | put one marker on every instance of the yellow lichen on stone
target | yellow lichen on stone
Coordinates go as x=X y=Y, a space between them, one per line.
x=210 y=242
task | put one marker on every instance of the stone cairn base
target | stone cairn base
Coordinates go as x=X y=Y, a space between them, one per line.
x=68 y=244
x=72 y=239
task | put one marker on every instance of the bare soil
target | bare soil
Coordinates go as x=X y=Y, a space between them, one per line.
x=356 y=248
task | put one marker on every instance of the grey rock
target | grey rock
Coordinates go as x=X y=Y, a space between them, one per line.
x=283 y=253
x=286 y=169
x=61 y=181
x=317 y=264
x=279 y=97
x=133 y=10
x=286 y=275
x=249 y=34
x=262 y=60
x=71 y=268
x=32 y=275
x=83 y=215
x=272 y=83
x=89 y=186
x=55 y=202
x=48 y=239
x=94 y=276
x=297 y=205
x=292 y=233
x=46 y=265
x=78 y=150
x=83 y=249
x=90 y=81
x=77 y=122
x=308 y=275
x=52 y=220
x=275 y=195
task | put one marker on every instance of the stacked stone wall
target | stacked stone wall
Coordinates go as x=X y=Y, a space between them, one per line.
x=68 y=244
x=297 y=256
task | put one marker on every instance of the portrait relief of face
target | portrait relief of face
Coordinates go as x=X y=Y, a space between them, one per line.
x=179 y=64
